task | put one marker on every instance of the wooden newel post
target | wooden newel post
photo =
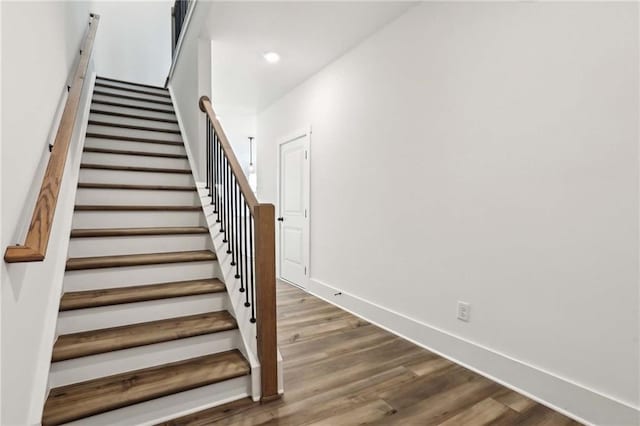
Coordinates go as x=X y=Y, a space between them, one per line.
x=265 y=258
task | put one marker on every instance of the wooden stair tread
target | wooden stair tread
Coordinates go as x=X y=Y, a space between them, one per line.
x=133 y=168
x=138 y=153
x=133 y=127
x=132 y=139
x=164 y=89
x=137 y=187
x=125 y=232
x=134 y=208
x=121 y=105
x=137 y=117
x=128 y=89
x=80 y=400
x=133 y=98
x=140 y=293
x=94 y=262
x=76 y=345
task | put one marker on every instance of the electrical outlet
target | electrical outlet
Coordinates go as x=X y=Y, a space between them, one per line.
x=464 y=311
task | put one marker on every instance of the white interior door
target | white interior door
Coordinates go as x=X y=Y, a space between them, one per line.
x=293 y=208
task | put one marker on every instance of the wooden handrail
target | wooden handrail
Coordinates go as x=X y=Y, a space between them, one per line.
x=252 y=201
x=265 y=262
x=35 y=245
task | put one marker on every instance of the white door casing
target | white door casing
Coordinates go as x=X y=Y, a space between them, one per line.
x=293 y=208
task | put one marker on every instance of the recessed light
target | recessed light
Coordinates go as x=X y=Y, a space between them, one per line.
x=272 y=57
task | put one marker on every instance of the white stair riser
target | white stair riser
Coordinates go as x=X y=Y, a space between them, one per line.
x=166 y=408
x=134 y=178
x=136 y=219
x=131 y=313
x=147 y=134
x=158 y=96
x=108 y=246
x=134 y=146
x=94 y=366
x=130 y=102
x=136 y=197
x=130 y=86
x=134 y=160
x=133 y=121
x=135 y=111
x=95 y=279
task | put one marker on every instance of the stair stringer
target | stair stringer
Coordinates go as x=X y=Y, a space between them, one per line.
x=236 y=298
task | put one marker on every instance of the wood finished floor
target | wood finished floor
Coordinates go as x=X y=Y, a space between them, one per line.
x=341 y=370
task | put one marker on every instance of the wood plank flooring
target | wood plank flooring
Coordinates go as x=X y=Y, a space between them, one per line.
x=341 y=370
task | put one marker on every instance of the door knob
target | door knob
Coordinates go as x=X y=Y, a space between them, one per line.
x=281 y=219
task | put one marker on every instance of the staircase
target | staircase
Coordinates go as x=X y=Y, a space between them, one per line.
x=144 y=331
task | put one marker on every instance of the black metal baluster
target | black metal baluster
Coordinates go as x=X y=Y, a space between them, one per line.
x=211 y=165
x=228 y=206
x=212 y=137
x=207 y=138
x=234 y=251
x=241 y=251
x=214 y=197
x=239 y=272
x=253 y=287
x=228 y=190
x=223 y=198
x=218 y=181
x=236 y=206
x=246 y=254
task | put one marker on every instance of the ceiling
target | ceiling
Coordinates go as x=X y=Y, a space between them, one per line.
x=306 y=35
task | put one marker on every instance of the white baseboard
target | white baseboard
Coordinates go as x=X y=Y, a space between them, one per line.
x=571 y=399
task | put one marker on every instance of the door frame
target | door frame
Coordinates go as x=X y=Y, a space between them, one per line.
x=302 y=132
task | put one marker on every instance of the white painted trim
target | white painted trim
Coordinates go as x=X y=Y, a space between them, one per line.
x=563 y=395
x=183 y=134
x=300 y=133
x=246 y=329
x=183 y=32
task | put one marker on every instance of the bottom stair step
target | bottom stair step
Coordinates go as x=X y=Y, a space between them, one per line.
x=79 y=400
x=93 y=342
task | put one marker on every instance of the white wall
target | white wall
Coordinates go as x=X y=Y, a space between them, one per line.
x=134 y=43
x=40 y=44
x=191 y=79
x=238 y=124
x=485 y=152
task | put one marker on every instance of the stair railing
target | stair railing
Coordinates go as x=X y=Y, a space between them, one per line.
x=34 y=248
x=178 y=16
x=248 y=229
